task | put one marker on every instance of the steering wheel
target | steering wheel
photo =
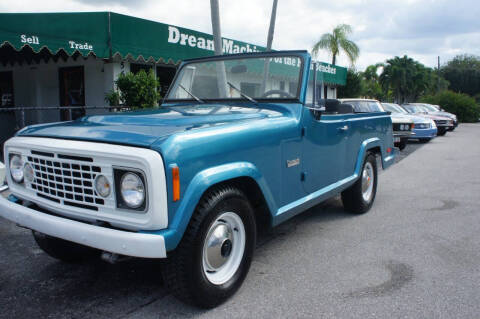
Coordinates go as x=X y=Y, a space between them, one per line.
x=279 y=92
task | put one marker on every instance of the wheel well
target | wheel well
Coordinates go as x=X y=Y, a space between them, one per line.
x=254 y=194
x=375 y=151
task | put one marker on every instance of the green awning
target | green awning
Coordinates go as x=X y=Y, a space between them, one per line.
x=83 y=32
x=107 y=35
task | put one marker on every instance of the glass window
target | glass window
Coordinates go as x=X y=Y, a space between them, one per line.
x=256 y=77
x=365 y=106
x=394 y=108
x=310 y=85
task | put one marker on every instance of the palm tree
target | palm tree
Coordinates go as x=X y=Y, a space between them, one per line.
x=407 y=78
x=336 y=41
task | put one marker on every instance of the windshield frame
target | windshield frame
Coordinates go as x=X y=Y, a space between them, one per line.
x=252 y=55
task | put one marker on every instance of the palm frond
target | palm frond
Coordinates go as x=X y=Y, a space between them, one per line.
x=325 y=42
x=350 y=49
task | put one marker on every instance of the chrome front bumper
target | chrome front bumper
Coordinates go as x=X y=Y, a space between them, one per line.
x=106 y=239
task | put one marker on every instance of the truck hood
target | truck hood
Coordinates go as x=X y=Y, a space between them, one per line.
x=143 y=128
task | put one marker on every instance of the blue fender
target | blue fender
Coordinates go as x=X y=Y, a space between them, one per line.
x=197 y=187
x=368 y=144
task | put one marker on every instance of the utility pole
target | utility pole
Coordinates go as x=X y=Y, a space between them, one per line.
x=271 y=31
x=217 y=41
x=438 y=73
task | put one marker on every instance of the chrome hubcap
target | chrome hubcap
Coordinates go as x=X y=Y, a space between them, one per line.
x=223 y=248
x=367 y=182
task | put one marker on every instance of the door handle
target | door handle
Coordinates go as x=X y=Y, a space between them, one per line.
x=343 y=128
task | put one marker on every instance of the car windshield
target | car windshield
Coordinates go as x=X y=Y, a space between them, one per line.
x=415 y=108
x=430 y=108
x=249 y=78
x=394 y=108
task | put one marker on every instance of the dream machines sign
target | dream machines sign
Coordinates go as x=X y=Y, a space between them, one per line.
x=194 y=41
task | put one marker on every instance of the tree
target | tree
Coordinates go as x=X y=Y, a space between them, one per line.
x=463 y=73
x=137 y=90
x=407 y=79
x=353 y=87
x=336 y=41
x=371 y=83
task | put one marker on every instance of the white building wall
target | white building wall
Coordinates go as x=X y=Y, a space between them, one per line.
x=37 y=85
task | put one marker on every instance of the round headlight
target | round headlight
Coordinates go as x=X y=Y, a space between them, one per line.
x=28 y=172
x=102 y=186
x=402 y=127
x=16 y=168
x=132 y=190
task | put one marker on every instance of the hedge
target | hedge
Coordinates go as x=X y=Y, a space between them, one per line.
x=462 y=105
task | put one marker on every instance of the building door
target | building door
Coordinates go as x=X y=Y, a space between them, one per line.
x=72 y=91
x=165 y=76
x=8 y=121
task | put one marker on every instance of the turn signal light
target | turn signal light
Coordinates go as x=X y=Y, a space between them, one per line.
x=176 y=183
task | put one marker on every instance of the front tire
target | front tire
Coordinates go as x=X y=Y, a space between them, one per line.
x=359 y=197
x=215 y=253
x=442 y=132
x=64 y=250
x=402 y=145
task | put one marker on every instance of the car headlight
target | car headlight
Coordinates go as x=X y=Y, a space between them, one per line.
x=16 y=168
x=132 y=190
x=102 y=186
x=28 y=173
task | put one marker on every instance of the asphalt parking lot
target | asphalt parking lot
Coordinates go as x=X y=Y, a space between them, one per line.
x=414 y=255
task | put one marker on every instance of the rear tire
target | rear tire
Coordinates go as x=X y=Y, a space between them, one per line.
x=359 y=197
x=64 y=250
x=215 y=253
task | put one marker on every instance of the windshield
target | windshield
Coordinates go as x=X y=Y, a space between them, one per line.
x=429 y=108
x=239 y=78
x=394 y=108
x=415 y=108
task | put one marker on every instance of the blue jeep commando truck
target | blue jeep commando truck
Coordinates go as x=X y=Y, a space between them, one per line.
x=240 y=140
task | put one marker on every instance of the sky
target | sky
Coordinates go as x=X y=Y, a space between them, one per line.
x=421 y=29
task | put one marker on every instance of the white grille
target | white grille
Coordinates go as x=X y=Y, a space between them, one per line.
x=65 y=179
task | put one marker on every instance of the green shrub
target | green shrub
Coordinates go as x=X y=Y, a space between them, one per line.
x=459 y=104
x=112 y=98
x=138 y=90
